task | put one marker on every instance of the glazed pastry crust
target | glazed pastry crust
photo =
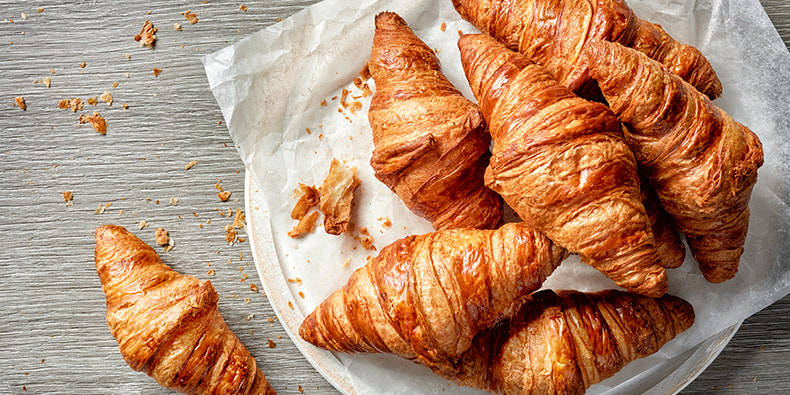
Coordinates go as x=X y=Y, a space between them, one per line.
x=425 y=297
x=431 y=145
x=702 y=163
x=564 y=342
x=561 y=163
x=167 y=324
x=553 y=33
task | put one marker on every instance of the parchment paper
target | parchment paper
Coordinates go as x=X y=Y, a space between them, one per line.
x=270 y=87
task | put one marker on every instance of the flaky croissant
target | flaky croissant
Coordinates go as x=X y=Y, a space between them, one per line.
x=561 y=163
x=701 y=162
x=668 y=244
x=425 y=297
x=167 y=324
x=431 y=145
x=553 y=33
x=564 y=342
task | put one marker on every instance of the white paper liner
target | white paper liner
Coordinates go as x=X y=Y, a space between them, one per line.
x=270 y=87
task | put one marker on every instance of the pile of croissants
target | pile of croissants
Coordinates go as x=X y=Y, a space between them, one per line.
x=595 y=126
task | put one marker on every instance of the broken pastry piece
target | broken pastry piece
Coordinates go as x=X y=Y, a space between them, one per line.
x=425 y=297
x=336 y=195
x=563 y=342
x=701 y=162
x=167 y=324
x=561 y=163
x=431 y=145
x=553 y=33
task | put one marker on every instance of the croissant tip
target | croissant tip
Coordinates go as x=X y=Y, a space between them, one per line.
x=389 y=20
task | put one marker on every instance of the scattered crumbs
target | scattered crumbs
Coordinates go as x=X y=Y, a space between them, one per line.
x=307 y=130
x=443 y=26
x=82 y=65
x=125 y=106
x=107 y=97
x=271 y=343
x=386 y=222
x=460 y=33
x=346 y=262
x=299 y=388
x=76 y=104
x=128 y=57
x=247 y=300
x=47 y=81
x=762 y=348
x=238 y=219
x=96 y=120
x=224 y=195
x=174 y=201
x=290 y=305
x=161 y=236
x=230 y=234
x=190 y=165
x=147 y=36
x=142 y=225
x=296 y=280
x=39 y=10
x=68 y=197
x=100 y=209
x=249 y=317
x=114 y=85
x=189 y=16
x=93 y=101
x=301 y=294
x=19 y=101
x=177 y=26
x=157 y=72
x=210 y=272
x=270 y=319
x=243 y=7
x=253 y=288
x=244 y=277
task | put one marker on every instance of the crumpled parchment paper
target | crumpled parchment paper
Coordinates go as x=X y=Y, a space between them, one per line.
x=272 y=85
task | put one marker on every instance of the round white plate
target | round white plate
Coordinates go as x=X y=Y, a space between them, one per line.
x=667 y=377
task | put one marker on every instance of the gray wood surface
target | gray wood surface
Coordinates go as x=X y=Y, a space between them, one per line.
x=53 y=336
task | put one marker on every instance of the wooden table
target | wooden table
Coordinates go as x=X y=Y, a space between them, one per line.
x=53 y=335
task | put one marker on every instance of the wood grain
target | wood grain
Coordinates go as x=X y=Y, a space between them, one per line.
x=53 y=337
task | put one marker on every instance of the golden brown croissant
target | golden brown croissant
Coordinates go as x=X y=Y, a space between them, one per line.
x=553 y=33
x=431 y=146
x=701 y=162
x=564 y=342
x=425 y=297
x=167 y=325
x=561 y=163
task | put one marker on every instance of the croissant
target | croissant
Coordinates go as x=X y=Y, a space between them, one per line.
x=167 y=324
x=564 y=342
x=701 y=162
x=561 y=163
x=553 y=33
x=431 y=145
x=425 y=297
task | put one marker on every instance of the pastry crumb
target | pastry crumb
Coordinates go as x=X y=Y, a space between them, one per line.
x=142 y=224
x=224 y=195
x=230 y=234
x=76 y=104
x=68 y=197
x=309 y=198
x=271 y=343
x=177 y=26
x=253 y=288
x=19 y=101
x=147 y=36
x=190 y=165
x=92 y=101
x=443 y=26
x=210 y=272
x=191 y=17
x=336 y=196
x=161 y=236
x=238 y=219
x=157 y=72
x=96 y=120
x=174 y=201
x=83 y=65
x=47 y=81
x=106 y=97
x=243 y=7
x=63 y=104
x=304 y=226
x=386 y=223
